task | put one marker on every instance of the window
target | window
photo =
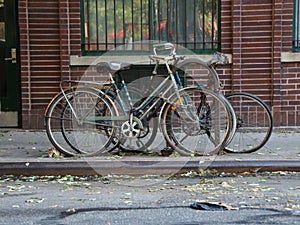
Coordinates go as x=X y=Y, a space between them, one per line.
x=296 y=30
x=109 y=24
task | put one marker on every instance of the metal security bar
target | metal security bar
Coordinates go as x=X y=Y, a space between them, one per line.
x=126 y=24
x=296 y=31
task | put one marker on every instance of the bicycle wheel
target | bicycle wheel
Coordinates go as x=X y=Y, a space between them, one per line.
x=198 y=123
x=254 y=123
x=74 y=125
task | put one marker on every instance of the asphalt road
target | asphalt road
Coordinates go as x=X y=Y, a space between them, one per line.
x=263 y=198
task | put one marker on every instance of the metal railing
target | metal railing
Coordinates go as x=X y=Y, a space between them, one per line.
x=107 y=24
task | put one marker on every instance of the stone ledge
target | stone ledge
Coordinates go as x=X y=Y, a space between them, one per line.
x=138 y=60
x=290 y=57
x=8 y=119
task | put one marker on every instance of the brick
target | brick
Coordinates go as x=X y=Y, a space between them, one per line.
x=246 y=31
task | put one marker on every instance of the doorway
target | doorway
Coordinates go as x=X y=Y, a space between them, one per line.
x=9 y=65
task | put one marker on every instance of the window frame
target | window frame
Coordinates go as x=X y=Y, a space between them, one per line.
x=198 y=51
x=296 y=27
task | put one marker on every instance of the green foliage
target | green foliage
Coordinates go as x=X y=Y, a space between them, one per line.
x=118 y=21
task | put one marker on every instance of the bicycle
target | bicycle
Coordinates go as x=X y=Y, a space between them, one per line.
x=254 y=118
x=90 y=121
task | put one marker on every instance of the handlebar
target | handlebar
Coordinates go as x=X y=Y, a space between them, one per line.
x=218 y=59
x=163 y=47
x=166 y=58
x=222 y=58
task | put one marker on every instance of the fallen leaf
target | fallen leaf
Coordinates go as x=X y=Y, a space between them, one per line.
x=70 y=211
x=262 y=181
x=54 y=153
x=129 y=203
x=35 y=200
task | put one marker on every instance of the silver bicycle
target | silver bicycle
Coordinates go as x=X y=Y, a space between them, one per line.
x=88 y=120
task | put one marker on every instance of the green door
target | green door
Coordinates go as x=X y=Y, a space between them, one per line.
x=9 y=65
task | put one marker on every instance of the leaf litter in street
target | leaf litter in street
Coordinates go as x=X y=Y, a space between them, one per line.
x=246 y=190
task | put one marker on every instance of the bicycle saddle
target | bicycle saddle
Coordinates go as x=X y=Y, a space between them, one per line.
x=112 y=66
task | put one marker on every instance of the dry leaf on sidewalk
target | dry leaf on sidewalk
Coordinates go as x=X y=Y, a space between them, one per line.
x=53 y=152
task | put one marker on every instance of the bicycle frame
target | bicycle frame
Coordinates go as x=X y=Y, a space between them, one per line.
x=151 y=101
x=122 y=119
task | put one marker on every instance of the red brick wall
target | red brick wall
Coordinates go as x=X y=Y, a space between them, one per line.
x=249 y=42
x=48 y=31
x=40 y=57
x=287 y=92
x=255 y=32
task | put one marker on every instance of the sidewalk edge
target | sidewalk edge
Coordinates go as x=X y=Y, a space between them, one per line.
x=105 y=167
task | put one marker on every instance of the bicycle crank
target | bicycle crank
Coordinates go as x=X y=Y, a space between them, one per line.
x=130 y=130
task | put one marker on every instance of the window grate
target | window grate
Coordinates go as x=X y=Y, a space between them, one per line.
x=126 y=24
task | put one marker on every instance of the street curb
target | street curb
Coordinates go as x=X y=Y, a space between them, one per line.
x=142 y=167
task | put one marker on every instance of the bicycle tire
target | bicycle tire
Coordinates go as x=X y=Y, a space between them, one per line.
x=254 y=123
x=205 y=134
x=84 y=135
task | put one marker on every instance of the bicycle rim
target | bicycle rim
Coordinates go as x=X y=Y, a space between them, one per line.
x=200 y=127
x=254 y=123
x=73 y=127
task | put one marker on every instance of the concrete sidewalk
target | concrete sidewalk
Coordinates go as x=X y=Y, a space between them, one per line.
x=26 y=153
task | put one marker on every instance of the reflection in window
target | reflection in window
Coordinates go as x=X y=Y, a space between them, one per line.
x=2 y=30
x=2 y=24
x=107 y=24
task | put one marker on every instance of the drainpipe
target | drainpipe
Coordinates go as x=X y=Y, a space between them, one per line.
x=69 y=38
x=28 y=58
x=273 y=54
